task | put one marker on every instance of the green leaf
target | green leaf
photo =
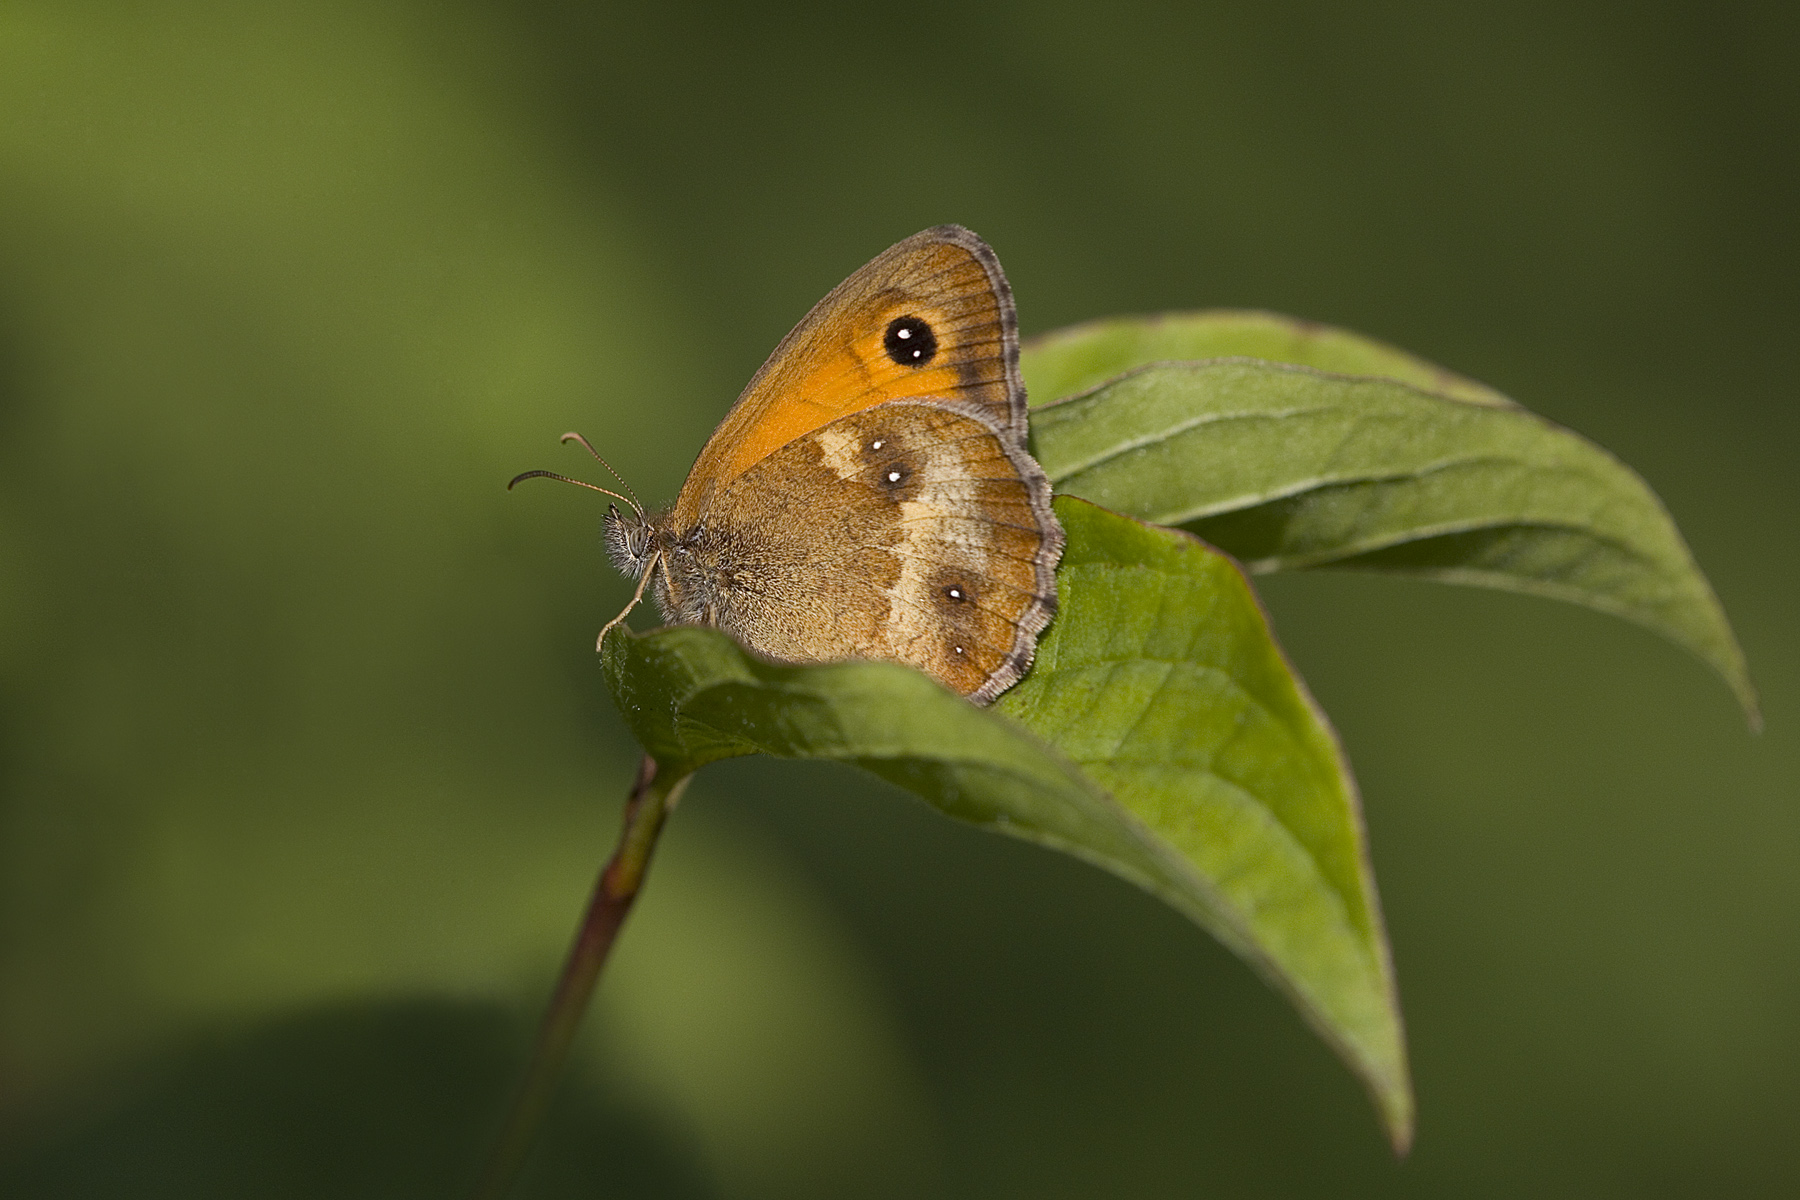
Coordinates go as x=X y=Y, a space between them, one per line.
x=1206 y=775
x=1161 y=680
x=1081 y=357
x=1287 y=467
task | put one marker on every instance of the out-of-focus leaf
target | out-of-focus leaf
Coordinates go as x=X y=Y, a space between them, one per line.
x=1287 y=467
x=1161 y=735
x=1072 y=360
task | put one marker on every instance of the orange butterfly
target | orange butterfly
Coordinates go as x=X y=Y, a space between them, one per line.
x=870 y=495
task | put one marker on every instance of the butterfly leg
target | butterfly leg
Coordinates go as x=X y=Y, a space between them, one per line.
x=643 y=582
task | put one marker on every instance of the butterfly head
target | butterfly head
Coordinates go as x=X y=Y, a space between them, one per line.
x=630 y=541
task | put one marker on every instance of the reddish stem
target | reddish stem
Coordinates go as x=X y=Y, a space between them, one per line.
x=618 y=885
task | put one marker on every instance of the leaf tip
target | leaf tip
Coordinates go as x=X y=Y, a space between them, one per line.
x=1396 y=1107
x=1400 y=1136
x=1744 y=688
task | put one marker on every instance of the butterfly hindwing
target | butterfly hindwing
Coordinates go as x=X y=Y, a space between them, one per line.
x=929 y=541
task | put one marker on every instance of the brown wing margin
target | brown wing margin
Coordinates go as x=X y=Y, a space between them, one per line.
x=834 y=363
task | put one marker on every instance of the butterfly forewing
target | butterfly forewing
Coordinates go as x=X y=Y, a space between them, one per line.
x=930 y=317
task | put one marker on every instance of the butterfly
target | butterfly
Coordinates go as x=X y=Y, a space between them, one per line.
x=870 y=495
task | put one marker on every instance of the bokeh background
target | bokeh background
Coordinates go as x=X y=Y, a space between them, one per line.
x=306 y=764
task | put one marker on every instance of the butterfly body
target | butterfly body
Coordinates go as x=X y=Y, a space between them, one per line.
x=871 y=495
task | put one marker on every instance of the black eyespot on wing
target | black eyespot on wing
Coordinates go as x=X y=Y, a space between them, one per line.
x=895 y=477
x=910 y=341
x=953 y=598
x=891 y=463
x=880 y=446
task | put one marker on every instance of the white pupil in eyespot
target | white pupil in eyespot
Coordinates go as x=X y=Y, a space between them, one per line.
x=893 y=477
x=903 y=334
x=875 y=446
x=959 y=649
x=956 y=593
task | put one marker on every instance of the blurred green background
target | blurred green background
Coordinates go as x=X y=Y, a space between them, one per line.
x=305 y=761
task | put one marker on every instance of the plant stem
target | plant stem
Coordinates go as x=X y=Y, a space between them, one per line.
x=645 y=809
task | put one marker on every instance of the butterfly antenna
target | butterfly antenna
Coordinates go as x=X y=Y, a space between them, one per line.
x=578 y=483
x=588 y=446
x=643 y=582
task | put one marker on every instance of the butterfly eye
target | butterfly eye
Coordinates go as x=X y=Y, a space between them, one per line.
x=910 y=342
